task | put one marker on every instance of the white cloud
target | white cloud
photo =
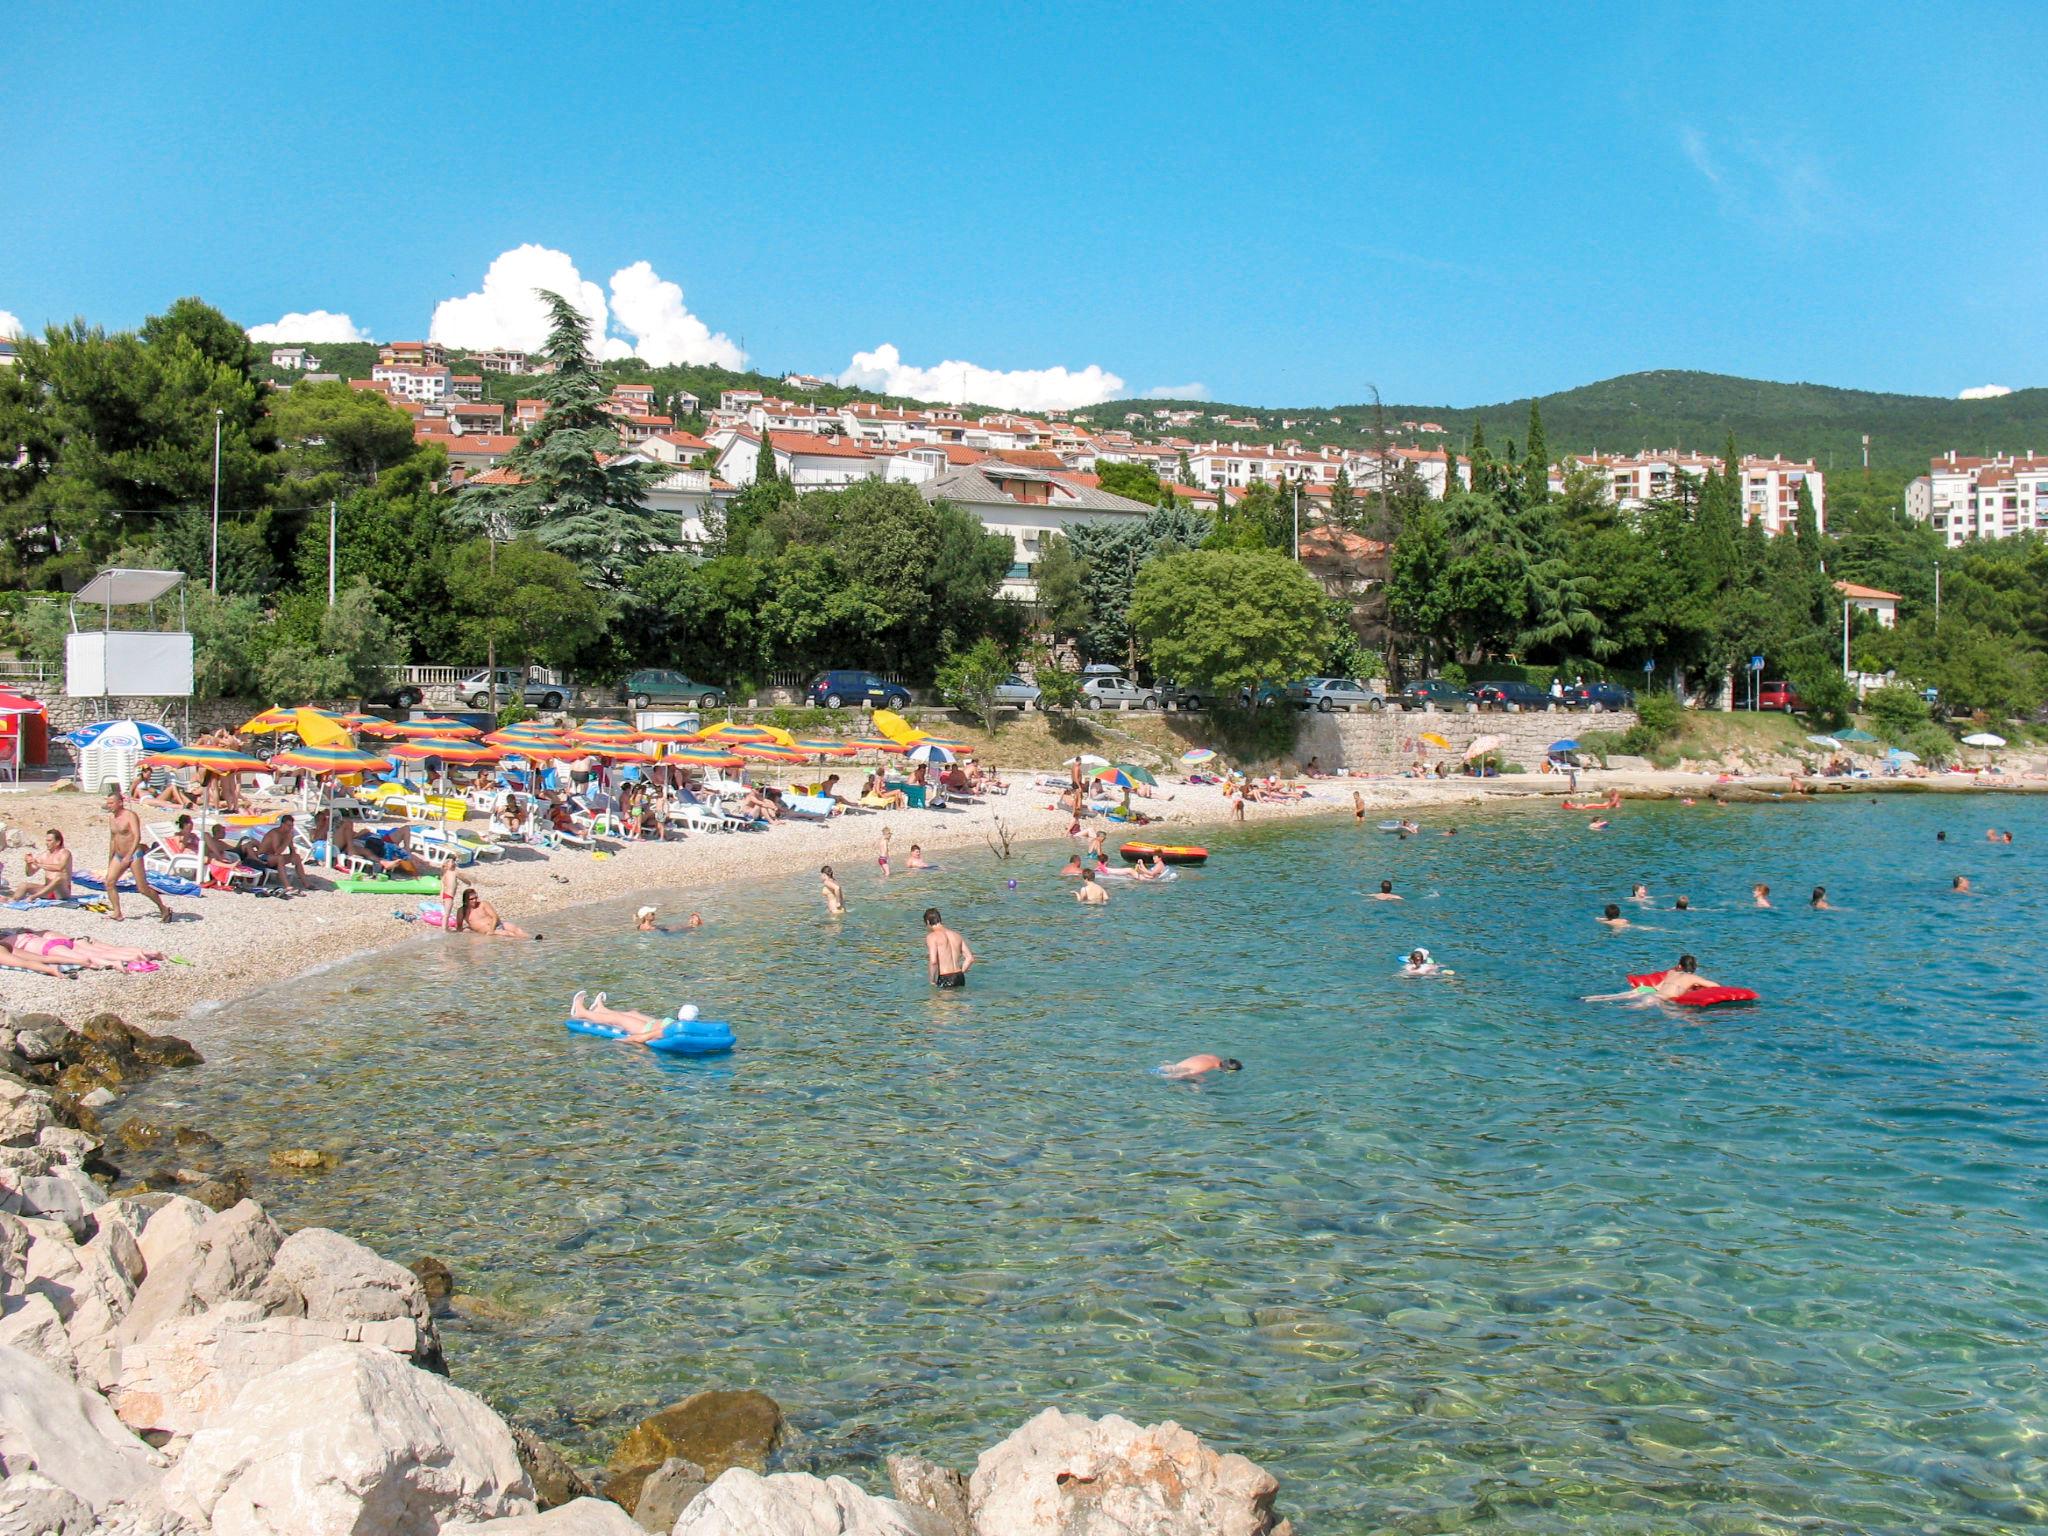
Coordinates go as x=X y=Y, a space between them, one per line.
x=1176 y=392
x=1984 y=392
x=650 y=310
x=1019 y=389
x=313 y=325
x=10 y=324
x=507 y=310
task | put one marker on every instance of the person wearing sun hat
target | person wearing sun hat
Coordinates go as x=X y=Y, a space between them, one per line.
x=643 y=921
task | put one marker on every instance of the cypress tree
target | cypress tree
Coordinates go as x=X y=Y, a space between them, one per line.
x=1536 y=459
x=1343 y=505
x=1482 y=464
x=764 y=459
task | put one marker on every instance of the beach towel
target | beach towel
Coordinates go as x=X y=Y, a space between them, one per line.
x=33 y=902
x=164 y=885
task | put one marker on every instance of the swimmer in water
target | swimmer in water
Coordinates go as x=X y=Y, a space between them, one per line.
x=1961 y=884
x=643 y=922
x=1819 y=900
x=835 y=898
x=1421 y=963
x=1385 y=892
x=1597 y=826
x=916 y=859
x=1682 y=904
x=1092 y=892
x=1682 y=978
x=1612 y=918
x=1760 y=894
x=1072 y=867
x=1941 y=837
x=1639 y=892
x=1358 y=807
x=1189 y=1068
x=883 y=860
x=947 y=957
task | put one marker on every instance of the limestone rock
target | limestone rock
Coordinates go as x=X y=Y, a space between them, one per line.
x=221 y=1191
x=322 y=1275
x=31 y=1324
x=63 y=1193
x=168 y=1225
x=667 y=1492
x=302 y=1160
x=940 y=1491
x=227 y=1259
x=51 y=1426
x=25 y=1116
x=74 y=1147
x=32 y=1505
x=743 y=1503
x=349 y=1440
x=1064 y=1474
x=717 y=1430
x=180 y=1378
x=15 y=1238
x=41 y=1040
x=554 y=1481
x=583 y=1517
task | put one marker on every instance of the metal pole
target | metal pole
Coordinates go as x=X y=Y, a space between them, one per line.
x=332 y=505
x=1937 y=597
x=1845 y=637
x=491 y=642
x=214 y=583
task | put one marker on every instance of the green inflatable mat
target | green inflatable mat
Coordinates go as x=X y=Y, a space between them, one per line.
x=384 y=885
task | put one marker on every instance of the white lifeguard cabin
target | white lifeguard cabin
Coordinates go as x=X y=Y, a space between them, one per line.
x=146 y=661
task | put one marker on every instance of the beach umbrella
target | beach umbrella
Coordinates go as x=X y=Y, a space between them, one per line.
x=703 y=757
x=222 y=760
x=1140 y=775
x=832 y=748
x=1900 y=754
x=1826 y=741
x=1983 y=739
x=766 y=752
x=1566 y=745
x=879 y=744
x=123 y=733
x=599 y=732
x=455 y=753
x=1481 y=745
x=892 y=725
x=1431 y=738
x=275 y=719
x=419 y=730
x=1122 y=777
x=930 y=752
x=1086 y=760
x=666 y=734
x=1195 y=755
x=331 y=762
x=541 y=750
x=1854 y=735
x=732 y=730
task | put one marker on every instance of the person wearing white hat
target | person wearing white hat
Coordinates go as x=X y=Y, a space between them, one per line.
x=643 y=921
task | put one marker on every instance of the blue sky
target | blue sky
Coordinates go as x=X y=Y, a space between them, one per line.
x=1283 y=203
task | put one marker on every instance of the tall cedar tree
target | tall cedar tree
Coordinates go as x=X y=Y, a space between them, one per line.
x=568 y=490
x=1343 y=505
x=1536 y=460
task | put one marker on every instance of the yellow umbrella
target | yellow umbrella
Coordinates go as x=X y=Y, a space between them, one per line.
x=896 y=728
x=1432 y=739
x=319 y=729
x=726 y=730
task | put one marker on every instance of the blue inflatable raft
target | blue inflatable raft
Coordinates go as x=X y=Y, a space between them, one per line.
x=682 y=1037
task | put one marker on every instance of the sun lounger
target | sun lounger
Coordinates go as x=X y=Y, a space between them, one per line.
x=810 y=807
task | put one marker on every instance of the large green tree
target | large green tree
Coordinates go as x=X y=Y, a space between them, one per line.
x=1227 y=619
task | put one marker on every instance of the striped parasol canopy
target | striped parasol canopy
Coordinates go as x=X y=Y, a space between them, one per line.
x=421 y=730
x=952 y=744
x=930 y=752
x=1122 y=778
x=732 y=730
x=276 y=718
x=1196 y=755
x=832 y=747
x=765 y=752
x=331 y=761
x=702 y=757
x=221 y=760
x=460 y=753
x=541 y=750
x=620 y=752
x=878 y=744
x=666 y=734
x=599 y=732
x=518 y=733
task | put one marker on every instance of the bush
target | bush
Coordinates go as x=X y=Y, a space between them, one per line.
x=1658 y=712
x=968 y=679
x=1933 y=744
x=1057 y=688
x=1895 y=711
x=1453 y=672
x=1254 y=735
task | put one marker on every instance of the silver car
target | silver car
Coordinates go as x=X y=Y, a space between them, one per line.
x=512 y=684
x=1328 y=693
x=1017 y=693
x=1117 y=693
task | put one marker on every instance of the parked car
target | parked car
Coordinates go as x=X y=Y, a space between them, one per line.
x=1435 y=691
x=1778 y=696
x=1102 y=669
x=837 y=689
x=1597 y=697
x=1328 y=693
x=397 y=696
x=1016 y=692
x=1509 y=694
x=1173 y=695
x=1100 y=691
x=512 y=684
x=663 y=685
x=1261 y=697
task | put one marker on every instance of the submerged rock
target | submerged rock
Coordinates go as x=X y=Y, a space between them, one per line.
x=437 y=1280
x=302 y=1160
x=1064 y=1474
x=717 y=1430
x=554 y=1481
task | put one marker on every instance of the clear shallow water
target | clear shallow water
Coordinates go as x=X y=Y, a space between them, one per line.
x=1448 y=1256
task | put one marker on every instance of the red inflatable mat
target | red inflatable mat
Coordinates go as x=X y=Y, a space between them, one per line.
x=1698 y=997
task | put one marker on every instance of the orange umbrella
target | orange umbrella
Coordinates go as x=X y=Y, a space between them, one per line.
x=448 y=751
x=762 y=753
x=418 y=730
x=620 y=752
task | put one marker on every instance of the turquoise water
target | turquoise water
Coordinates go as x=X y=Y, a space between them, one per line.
x=1466 y=1255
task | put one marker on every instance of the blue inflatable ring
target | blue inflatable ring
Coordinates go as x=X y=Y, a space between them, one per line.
x=682 y=1037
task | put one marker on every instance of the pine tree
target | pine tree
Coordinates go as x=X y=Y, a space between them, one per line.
x=564 y=485
x=764 y=458
x=1482 y=464
x=1343 y=505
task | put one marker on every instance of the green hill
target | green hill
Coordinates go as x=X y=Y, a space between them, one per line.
x=1676 y=408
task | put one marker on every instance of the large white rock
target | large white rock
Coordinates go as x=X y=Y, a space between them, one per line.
x=579 y=1517
x=743 y=1503
x=348 y=1441
x=32 y=1325
x=188 y=1370
x=51 y=1426
x=169 y=1227
x=226 y=1259
x=32 y=1505
x=321 y=1274
x=1064 y=1474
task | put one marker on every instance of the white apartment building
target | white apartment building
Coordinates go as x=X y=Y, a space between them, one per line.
x=1234 y=466
x=294 y=357
x=809 y=461
x=502 y=360
x=1770 y=486
x=409 y=381
x=1981 y=498
x=1026 y=505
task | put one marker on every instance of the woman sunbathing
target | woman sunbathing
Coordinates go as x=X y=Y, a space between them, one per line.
x=475 y=915
x=92 y=954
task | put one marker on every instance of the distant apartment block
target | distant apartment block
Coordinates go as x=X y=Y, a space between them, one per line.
x=410 y=381
x=1770 y=486
x=1981 y=498
x=293 y=357
x=414 y=354
x=502 y=360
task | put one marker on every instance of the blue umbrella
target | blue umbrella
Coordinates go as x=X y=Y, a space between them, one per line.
x=139 y=734
x=1567 y=745
x=929 y=752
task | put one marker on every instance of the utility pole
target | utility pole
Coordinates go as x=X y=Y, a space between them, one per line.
x=1297 y=520
x=213 y=583
x=1937 y=597
x=491 y=633
x=332 y=512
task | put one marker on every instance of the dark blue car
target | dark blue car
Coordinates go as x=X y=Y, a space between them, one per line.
x=836 y=690
x=1599 y=696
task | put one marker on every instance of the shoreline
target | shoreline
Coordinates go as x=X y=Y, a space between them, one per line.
x=235 y=946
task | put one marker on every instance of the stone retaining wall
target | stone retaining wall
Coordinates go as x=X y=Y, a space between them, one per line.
x=1374 y=743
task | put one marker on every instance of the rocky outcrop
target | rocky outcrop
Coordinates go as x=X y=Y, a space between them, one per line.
x=350 y=1439
x=939 y=1491
x=554 y=1481
x=325 y=1277
x=743 y=1503
x=584 y=1517
x=717 y=1430
x=52 y=1426
x=227 y=1259
x=1064 y=1474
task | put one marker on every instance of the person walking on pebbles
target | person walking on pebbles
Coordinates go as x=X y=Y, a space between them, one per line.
x=124 y=856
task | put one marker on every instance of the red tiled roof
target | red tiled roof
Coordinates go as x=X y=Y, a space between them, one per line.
x=1851 y=589
x=689 y=442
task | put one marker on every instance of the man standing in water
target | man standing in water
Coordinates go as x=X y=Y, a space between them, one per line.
x=1091 y=893
x=835 y=898
x=947 y=957
x=124 y=856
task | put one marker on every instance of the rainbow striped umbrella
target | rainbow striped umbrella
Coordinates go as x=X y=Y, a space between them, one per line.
x=464 y=753
x=620 y=752
x=764 y=752
x=704 y=757
x=419 y=730
x=220 y=760
x=331 y=762
x=666 y=734
x=602 y=731
x=732 y=730
x=276 y=718
x=832 y=748
x=541 y=750
x=878 y=744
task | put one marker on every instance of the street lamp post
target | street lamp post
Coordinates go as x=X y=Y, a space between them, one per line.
x=1937 y=597
x=213 y=583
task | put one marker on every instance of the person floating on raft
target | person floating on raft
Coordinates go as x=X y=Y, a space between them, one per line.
x=1421 y=963
x=637 y=1027
x=1681 y=984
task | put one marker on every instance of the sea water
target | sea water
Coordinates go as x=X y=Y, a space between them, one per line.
x=1452 y=1255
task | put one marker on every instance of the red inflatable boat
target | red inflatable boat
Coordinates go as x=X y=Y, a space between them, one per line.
x=1166 y=853
x=1698 y=997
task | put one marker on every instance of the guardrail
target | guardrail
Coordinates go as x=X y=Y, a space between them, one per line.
x=36 y=675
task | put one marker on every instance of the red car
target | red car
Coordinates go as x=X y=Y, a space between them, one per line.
x=1778 y=696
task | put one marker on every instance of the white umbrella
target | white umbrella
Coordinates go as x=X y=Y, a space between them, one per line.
x=1826 y=741
x=1086 y=760
x=1481 y=745
x=1902 y=755
x=1983 y=739
x=929 y=752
